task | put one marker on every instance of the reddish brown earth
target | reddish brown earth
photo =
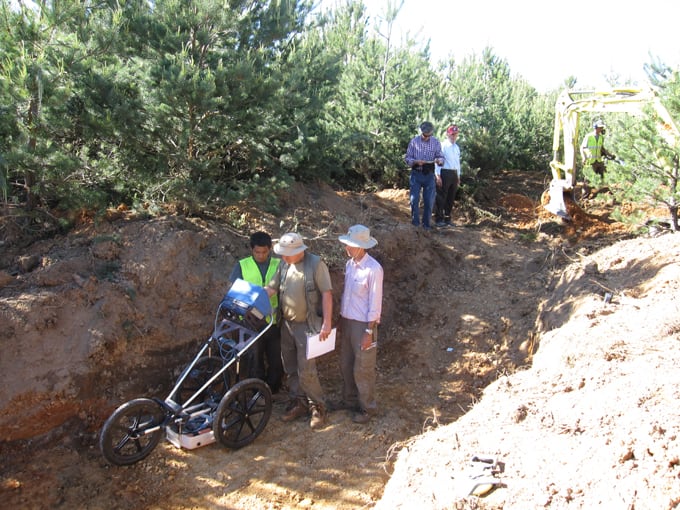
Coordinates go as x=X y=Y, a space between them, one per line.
x=496 y=340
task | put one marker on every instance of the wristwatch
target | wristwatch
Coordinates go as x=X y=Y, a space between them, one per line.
x=369 y=331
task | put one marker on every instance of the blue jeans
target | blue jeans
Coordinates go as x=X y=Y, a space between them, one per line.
x=417 y=181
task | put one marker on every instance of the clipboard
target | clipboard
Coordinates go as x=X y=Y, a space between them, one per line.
x=316 y=347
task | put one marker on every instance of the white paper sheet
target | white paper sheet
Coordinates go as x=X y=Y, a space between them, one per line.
x=316 y=347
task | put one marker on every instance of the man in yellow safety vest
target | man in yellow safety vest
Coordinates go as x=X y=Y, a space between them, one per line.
x=593 y=151
x=258 y=269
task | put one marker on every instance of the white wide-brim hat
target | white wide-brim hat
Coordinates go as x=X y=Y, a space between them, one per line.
x=290 y=244
x=358 y=236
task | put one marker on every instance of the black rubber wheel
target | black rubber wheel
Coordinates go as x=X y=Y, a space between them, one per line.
x=132 y=431
x=199 y=374
x=243 y=413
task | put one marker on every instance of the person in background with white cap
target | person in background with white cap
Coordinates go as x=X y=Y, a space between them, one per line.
x=303 y=310
x=593 y=151
x=447 y=178
x=360 y=309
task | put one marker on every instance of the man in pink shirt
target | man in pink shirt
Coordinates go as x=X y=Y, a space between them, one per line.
x=360 y=309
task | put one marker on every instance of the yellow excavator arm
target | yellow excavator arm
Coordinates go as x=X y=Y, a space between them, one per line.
x=568 y=107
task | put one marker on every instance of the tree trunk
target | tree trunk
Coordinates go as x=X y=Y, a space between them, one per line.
x=29 y=176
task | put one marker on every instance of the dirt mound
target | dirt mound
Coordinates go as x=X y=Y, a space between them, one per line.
x=594 y=423
x=115 y=309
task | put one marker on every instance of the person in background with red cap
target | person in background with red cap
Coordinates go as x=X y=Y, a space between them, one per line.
x=447 y=178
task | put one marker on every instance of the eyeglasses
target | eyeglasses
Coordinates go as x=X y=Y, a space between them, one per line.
x=427 y=135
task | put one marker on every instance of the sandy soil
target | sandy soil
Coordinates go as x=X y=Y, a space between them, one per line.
x=496 y=341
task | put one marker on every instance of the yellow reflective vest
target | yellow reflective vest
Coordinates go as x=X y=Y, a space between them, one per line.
x=251 y=273
x=592 y=148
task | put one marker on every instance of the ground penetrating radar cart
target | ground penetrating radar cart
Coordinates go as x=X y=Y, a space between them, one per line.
x=209 y=402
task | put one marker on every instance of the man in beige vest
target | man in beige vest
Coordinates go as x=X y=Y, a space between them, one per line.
x=306 y=300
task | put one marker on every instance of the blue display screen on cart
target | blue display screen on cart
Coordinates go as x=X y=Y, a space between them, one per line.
x=243 y=295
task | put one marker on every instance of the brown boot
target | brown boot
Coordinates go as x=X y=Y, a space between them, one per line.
x=295 y=410
x=319 y=416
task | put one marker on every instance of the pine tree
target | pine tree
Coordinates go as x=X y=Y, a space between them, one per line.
x=385 y=91
x=649 y=148
x=506 y=123
x=650 y=169
x=62 y=102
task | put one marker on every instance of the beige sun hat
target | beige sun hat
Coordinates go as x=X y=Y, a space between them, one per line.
x=290 y=244
x=358 y=236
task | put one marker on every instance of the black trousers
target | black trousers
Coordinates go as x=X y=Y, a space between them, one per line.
x=446 y=194
x=264 y=359
x=599 y=168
